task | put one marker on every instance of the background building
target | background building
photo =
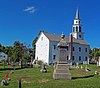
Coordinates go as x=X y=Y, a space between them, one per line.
x=3 y=56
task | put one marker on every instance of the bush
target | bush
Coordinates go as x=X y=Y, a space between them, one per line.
x=40 y=62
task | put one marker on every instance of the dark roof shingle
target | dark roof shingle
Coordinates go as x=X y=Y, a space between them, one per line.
x=54 y=37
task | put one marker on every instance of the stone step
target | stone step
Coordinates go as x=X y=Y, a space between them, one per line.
x=62 y=66
x=61 y=70
x=62 y=76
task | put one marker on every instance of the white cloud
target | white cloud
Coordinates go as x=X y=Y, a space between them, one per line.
x=30 y=9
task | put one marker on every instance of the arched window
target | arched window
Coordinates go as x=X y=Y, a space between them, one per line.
x=76 y=29
x=79 y=29
x=73 y=29
x=80 y=36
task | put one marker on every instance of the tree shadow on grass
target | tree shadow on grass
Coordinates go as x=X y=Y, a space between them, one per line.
x=73 y=78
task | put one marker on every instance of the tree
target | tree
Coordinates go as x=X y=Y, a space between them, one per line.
x=94 y=53
x=9 y=52
x=20 y=52
x=17 y=51
x=2 y=48
x=26 y=57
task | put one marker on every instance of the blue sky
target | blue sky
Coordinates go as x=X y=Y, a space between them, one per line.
x=22 y=19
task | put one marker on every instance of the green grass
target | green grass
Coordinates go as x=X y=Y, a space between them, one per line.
x=33 y=78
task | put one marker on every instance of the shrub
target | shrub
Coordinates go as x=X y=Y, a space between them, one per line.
x=40 y=62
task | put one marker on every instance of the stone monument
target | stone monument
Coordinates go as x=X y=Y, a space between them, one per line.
x=61 y=70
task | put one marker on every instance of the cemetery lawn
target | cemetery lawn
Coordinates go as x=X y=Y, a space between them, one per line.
x=33 y=78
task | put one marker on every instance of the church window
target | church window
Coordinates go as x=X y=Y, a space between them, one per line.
x=79 y=36
x=54 y=57
x=41 y=38
x=73 y=29
x=79 y=21
x=76 y=29
x=79 y=49
x=85 y=58
x=54 y=46
x=79 y=29
x=73 y=48
x=67 y=48
x=67 y=57
x=73 y=58
x=79 y=58
x=85 y=49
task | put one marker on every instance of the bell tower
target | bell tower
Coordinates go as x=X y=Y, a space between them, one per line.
x=77 y=28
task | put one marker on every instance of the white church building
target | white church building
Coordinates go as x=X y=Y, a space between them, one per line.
x=47 y=50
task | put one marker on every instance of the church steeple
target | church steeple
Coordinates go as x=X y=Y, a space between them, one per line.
x=77 y=28
x=77 y=14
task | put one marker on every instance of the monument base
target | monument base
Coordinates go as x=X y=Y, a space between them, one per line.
x=62 y=72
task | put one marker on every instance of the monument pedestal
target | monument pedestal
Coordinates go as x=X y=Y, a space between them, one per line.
x=62 y=72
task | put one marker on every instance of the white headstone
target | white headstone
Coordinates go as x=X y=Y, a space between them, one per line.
x=81 y=67
x=77 y=65
x=98 y=62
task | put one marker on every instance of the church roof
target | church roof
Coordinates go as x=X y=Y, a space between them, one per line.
x=52 y=37
x=80 y=41
x=57 y=38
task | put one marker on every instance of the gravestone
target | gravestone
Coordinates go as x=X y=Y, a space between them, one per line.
x=81 y=67
x=77 y=65
x=35 y=63
x=98 y=62
x=4 y=82
x=61 y=70
x=87 y=69
x=44 y=69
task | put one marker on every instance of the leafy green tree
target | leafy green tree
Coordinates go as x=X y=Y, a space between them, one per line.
x=9 y=52
x=20 y=52
x=2 y=48
x=17 y=51
x=94 y=53
x=26 y=57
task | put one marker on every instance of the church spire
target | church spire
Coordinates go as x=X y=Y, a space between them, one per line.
x=77 y=28
x=77 y=14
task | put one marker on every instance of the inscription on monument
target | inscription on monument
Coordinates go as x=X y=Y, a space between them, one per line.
x=62 y=56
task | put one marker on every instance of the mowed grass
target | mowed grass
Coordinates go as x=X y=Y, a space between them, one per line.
x=33 y=78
